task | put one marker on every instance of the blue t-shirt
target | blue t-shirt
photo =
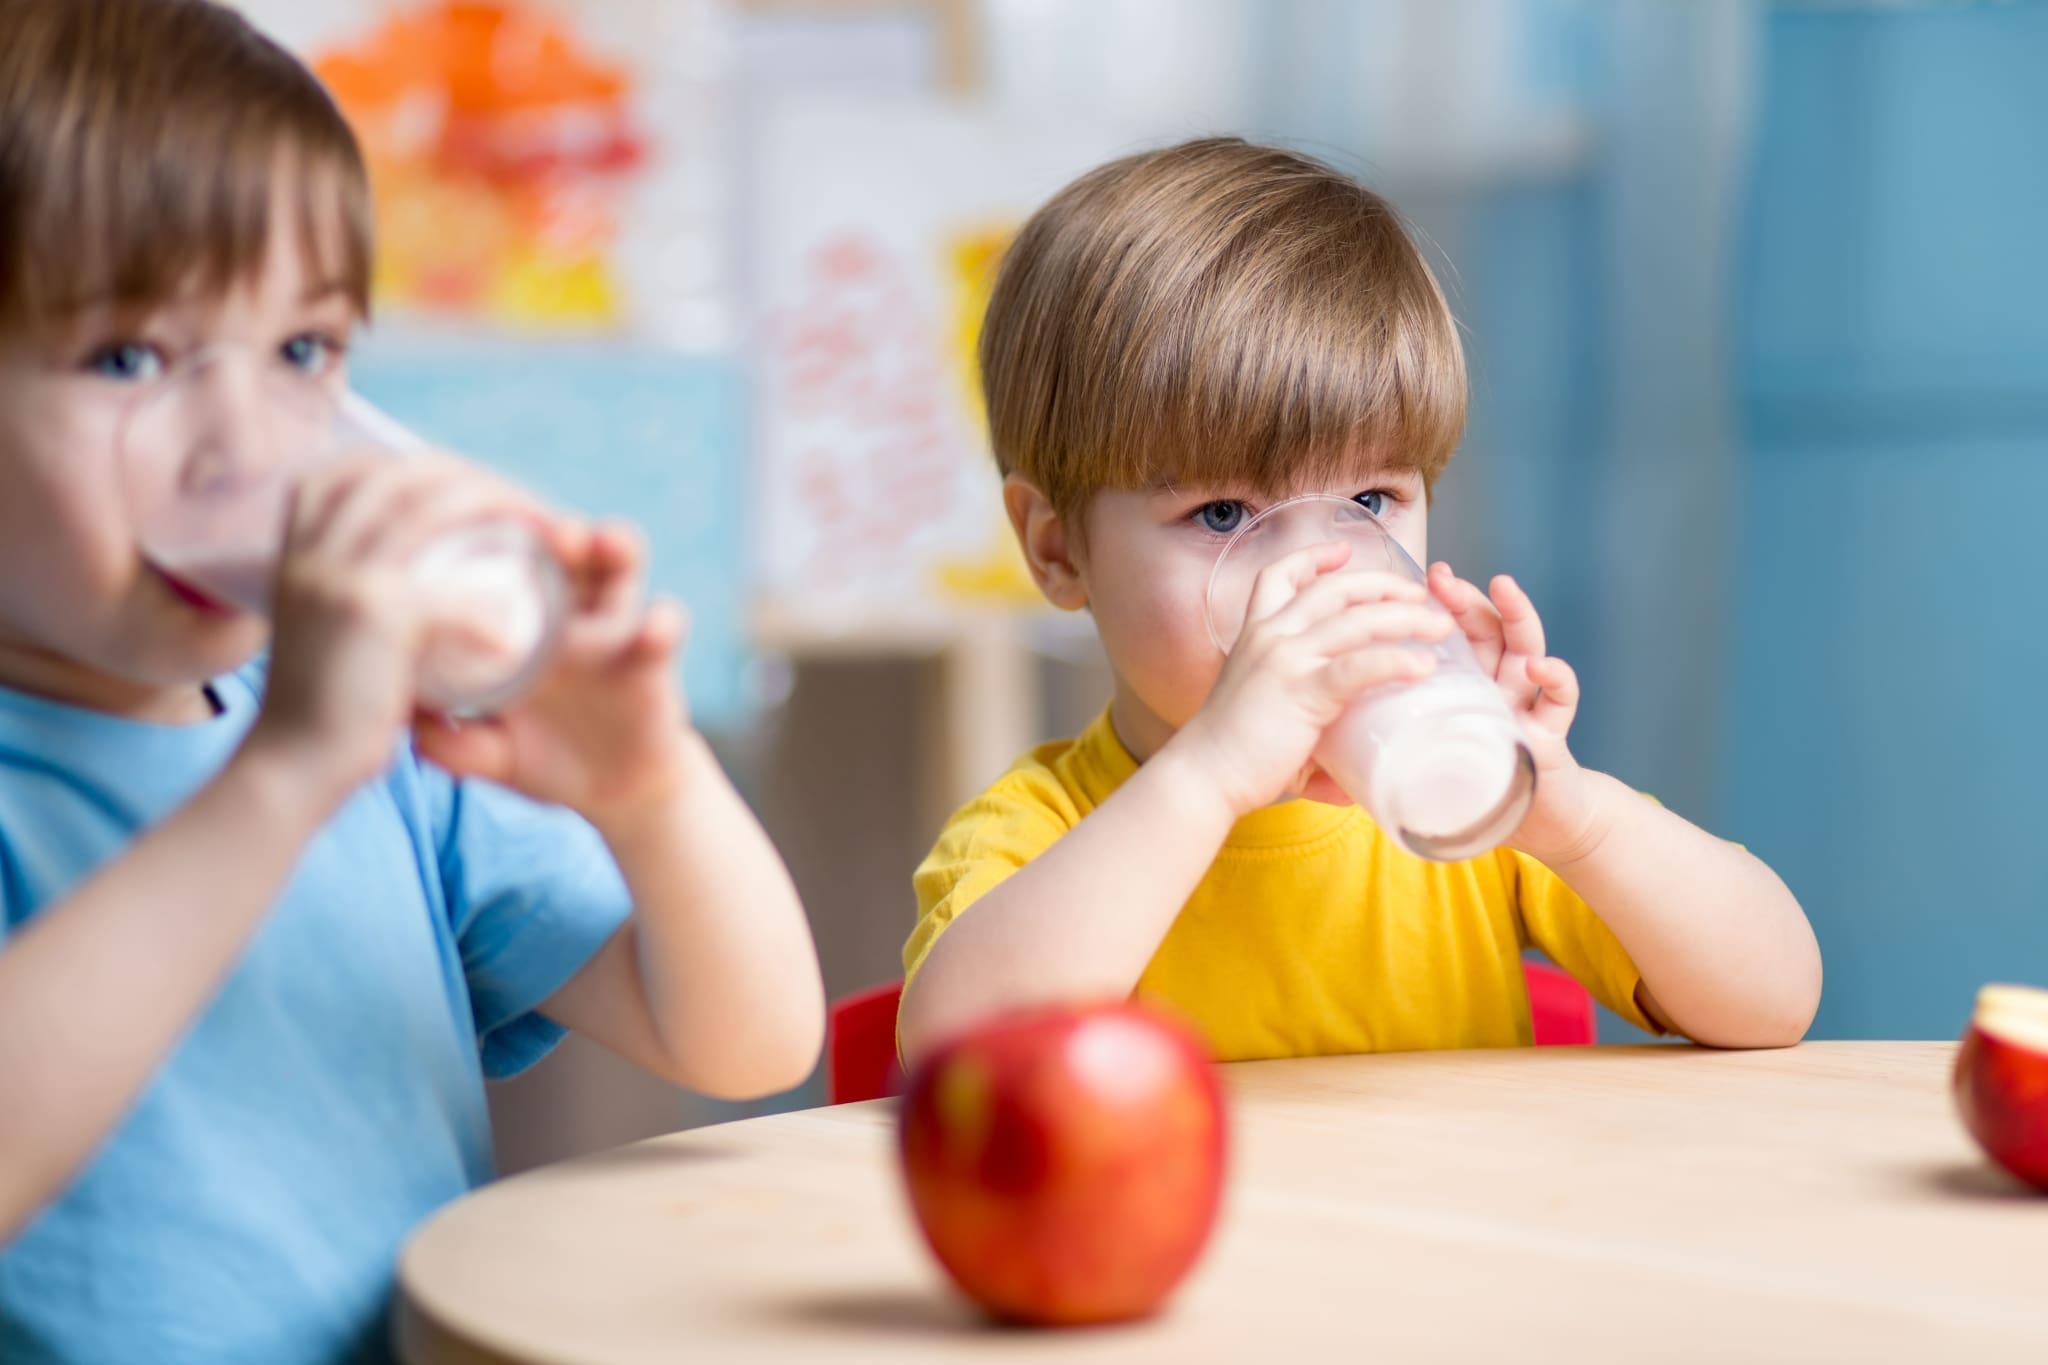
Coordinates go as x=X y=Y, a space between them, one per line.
x=251 y=1205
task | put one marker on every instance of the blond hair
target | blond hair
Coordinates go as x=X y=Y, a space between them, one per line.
x=1217 y=314
x=139 y=144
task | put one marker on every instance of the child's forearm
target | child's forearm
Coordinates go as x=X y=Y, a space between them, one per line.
x=1725 y=951
x=1083 y=919
x=718 y=961
x=98 y=987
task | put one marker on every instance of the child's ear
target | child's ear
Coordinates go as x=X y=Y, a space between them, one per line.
x=1048 y=551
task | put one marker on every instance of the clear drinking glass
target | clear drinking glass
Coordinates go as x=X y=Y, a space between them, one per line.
x=1440 y=763
x=210 y=452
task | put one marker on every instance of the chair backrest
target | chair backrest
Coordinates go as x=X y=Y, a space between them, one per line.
x=1560 y=1010
x=860 y=1048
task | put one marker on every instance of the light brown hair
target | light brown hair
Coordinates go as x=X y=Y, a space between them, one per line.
x=140 y=141
x=1217 y=313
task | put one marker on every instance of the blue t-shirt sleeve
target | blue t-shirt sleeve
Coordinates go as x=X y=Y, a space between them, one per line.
x=532 y=893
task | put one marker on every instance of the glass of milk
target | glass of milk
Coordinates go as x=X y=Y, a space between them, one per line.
x=210 y=452
x=1440 y=763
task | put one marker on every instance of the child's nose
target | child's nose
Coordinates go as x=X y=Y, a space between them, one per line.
x=230 y=428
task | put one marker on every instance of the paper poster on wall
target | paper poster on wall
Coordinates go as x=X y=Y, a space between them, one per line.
x=545 y=167
x=501 y=144
x=878 y=225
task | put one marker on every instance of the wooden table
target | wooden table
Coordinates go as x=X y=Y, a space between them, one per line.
x=1649 y=1204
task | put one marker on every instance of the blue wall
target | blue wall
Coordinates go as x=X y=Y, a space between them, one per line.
x=1888 y=746
x=639 y=433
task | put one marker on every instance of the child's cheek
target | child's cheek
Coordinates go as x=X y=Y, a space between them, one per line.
x=1410 y=526
x=1164 y=651
x=94 y=528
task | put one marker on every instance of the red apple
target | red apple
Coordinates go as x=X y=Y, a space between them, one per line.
x=2001 y=1079
x=1066 y=1163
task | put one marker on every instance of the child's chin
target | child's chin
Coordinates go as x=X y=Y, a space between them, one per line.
x=197 y=655
x=1323 y=788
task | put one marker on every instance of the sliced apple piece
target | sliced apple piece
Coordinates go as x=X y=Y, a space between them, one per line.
x=2001 y=1079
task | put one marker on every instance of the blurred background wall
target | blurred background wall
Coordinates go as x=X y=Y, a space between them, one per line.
x=1754 y=295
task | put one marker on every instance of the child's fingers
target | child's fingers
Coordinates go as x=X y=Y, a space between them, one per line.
x=1279 y=582
x=411 y=520
x=609 y=587
x=656 y=634
x=1337 y=592
x=381 y=496
x=1374 y=622
x=470 y=748
x=1475 y=614
x=618 y=558
x=1347 y=675
x=1521 y=626
x=1521 y=641
x=1558 y=703
x=568 y=539
x=661 y=632
x=322 y=495
x=375 y=506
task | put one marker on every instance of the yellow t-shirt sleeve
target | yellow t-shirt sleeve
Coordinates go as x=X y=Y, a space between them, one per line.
x=986 y=841
x=1557 y=920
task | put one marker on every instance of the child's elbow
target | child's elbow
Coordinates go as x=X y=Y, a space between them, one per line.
x=752 y=1078
x=1778 y=1022
x=772 y=1062
x=1790 y=1024
x=1779 y=1030
x=1798 y=1001
x=754 y=1085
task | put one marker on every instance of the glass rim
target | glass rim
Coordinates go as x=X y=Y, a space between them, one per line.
x=1223 y=555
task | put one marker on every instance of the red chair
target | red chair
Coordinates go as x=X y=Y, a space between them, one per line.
x=860 y=1040
x=860 y=1046
x=1560 y=1010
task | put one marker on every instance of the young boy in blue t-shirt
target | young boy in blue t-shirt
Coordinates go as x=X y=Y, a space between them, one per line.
x=262 y=932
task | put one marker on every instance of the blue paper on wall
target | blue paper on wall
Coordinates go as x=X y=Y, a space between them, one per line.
x=649 y=435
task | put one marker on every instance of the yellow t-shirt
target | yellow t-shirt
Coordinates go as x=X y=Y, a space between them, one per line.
x=1313 y=932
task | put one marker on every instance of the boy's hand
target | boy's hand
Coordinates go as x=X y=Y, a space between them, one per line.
x=348 y=631
x=604 y=730
x=1313 y=639
x=1543 y=692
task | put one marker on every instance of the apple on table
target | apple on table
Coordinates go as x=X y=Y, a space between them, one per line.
x=1066 y=1163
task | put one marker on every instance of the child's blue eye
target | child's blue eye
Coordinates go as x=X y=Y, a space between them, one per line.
x=311 y=353
x=129 y=362
x=1220 y=517
x=1374 y=502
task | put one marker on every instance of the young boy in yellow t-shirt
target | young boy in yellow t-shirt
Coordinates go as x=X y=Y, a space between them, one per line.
x=1176 y=340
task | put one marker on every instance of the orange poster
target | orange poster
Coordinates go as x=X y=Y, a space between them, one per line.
x=500 y=145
